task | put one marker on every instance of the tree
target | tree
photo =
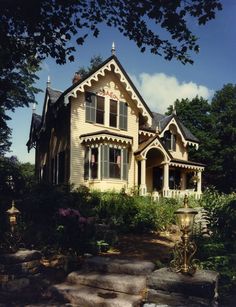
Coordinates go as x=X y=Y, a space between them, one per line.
x=223 y=112
x=195 y=115
x=31 y=31
x=95 y=61
x=50 y=25
x=215 y=126
x=5 y=133
x=21 y=174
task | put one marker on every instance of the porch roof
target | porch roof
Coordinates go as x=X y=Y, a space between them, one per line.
x=187 y=164
x=148 y=142
x=106 y=135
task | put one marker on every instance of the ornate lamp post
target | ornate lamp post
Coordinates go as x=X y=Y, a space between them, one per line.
x=12 y=237
x=185 y=249
x=13 y=214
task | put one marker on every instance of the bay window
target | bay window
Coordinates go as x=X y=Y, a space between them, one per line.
x=106 y=162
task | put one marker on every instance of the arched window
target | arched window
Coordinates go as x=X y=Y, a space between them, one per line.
x=169 y=140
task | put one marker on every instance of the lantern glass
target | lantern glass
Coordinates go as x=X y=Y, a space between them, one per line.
x=185 y=220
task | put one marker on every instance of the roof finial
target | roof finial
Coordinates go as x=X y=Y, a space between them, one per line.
x=49 y=82
x=174 y=109
x=113 y=49
x=33 y=107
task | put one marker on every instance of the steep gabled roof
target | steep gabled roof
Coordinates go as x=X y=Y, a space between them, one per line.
x=53 y=94
x=51 y=98
x=35 y=126
x=112 y=63
x=160 y=122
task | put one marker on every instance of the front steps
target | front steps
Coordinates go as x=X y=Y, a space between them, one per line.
x=105 y=282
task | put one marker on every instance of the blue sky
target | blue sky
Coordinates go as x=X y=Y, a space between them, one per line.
x=160 y=82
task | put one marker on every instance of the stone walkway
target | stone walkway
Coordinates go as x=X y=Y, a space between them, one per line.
x=105 y=282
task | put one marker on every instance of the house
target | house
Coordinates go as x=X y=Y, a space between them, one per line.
x=101 y=133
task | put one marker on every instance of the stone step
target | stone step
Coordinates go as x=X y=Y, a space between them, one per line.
x=114 y=282
x=120 y=266
x=83 y=296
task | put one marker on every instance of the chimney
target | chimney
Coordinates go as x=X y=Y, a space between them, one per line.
x=76 y=78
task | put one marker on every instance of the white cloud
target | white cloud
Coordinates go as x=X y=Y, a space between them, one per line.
x=160 y=90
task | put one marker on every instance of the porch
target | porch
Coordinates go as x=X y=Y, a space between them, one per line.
x=163 y=177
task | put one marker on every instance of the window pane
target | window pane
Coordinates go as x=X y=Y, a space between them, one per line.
x=173 y=142
x=90 y=103
x=123 y=115
x=100 y=110
x=86 y=163
x=114 y=163
x=94 y=163
x=113 y=113
x=125 y=163
x=167 y=139
x=104 y=161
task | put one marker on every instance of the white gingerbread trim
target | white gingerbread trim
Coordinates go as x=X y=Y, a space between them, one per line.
x=185 y=142
x=101 y=72
x=106 y=137
x=187 y=166
x=156 y=145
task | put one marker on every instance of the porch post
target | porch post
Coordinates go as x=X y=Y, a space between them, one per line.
x=143 y=187
x=166 y=180
x=183 y=180
x=199 y=183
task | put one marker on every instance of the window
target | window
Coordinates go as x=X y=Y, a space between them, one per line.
x=91 y=163
x=114 y=162
x=100 y=110
x=61 y=167
x=123 y=107
x=123 y=115
x=113 y=113
x=170 y=140
x=94 y=108
x=58 y=167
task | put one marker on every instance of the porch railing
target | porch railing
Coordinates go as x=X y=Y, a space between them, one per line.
x=176 y=194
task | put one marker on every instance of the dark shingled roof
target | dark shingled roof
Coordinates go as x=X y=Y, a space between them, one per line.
x=160 y=121
x=188 y=134
x=36 y=118
x=53 y=94
x=34 y=129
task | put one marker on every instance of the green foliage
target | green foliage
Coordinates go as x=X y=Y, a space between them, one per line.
x=61 y=21
x=95 y=61
x=165 y=212
x=80 y=219
x=218 y=252
x=57 y=217
x=5 y=132
x=223 y=112
x=215 y=126
x=22 y=177
x=221 y=210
